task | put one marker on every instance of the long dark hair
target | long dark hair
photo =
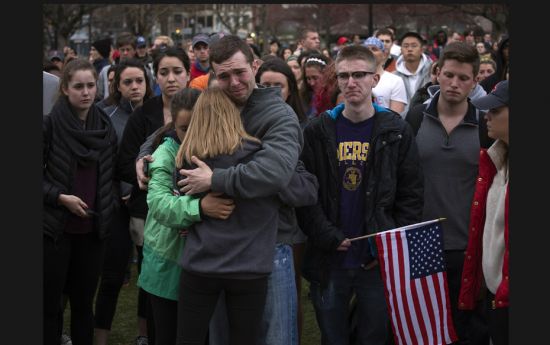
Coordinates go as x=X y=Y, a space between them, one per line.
x=114 y=94
x=313 y=60
x=171 y=52
x=183 y=99
x=277 y=65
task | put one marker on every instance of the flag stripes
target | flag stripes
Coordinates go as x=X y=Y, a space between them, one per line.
x=419 y=307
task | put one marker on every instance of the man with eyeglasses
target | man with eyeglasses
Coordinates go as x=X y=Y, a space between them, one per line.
x=366 y=161
x=413 y=66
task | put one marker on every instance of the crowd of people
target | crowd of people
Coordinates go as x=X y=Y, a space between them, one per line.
x=233 y=175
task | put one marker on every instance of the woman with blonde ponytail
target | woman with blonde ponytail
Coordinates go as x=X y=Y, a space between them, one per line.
x=232 y=255
x=215 y=129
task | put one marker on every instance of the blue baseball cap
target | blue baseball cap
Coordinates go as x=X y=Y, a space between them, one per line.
x=200 y=38
x=496 y=99
x=141 y=42
x=373 y=41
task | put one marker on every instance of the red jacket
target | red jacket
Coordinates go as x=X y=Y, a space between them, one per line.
x=472 y=274
x=197 y=71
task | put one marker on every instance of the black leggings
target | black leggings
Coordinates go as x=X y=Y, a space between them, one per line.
x=470 y=325
x=117 y=251
x=144 y=308
x=165 y=316
x=498 y=321
x=76 y=260
x=198 y=296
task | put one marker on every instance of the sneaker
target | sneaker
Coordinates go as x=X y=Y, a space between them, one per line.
x=142 y=340
x=66 y=340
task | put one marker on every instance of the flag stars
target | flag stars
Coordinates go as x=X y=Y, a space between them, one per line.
x=425 y=256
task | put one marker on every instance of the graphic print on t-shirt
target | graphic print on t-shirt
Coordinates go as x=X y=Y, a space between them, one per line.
x=354 y=153
x=353 y=144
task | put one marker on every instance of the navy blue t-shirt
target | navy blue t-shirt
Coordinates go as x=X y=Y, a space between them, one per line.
x=353 y=141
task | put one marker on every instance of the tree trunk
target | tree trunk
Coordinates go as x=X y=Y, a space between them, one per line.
x=265 y=44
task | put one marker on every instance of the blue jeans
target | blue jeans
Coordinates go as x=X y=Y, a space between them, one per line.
x=332 y=306
x=279 y=325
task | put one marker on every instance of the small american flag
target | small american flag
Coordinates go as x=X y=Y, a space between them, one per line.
x=413 y=270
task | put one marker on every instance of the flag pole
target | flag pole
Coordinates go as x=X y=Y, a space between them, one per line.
x=407 y=227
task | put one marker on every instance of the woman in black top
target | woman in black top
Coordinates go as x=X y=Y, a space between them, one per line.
x=79 y=152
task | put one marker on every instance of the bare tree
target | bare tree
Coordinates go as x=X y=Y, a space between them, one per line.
x=230 y=15
x=497 y=14
x=343 y=19
x=265 y=40
x=138 y=19
x=62 y=20
x=427 y=17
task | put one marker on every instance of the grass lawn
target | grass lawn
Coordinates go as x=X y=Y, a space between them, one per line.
x=124 y=328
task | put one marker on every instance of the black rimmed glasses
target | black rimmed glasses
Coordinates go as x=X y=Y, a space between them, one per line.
x=357 y=75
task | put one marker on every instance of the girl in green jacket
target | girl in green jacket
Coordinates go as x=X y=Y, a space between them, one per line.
x=168 y=215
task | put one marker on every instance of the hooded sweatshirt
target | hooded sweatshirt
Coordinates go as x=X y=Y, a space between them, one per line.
x=414 y=81
x=241 y=246
x=476 y=93
x=267 y=117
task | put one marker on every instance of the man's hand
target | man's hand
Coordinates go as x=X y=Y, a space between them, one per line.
x=369 y=265
x=344 y=246
x=142 y=179
x=215 y=206
x=198 y=180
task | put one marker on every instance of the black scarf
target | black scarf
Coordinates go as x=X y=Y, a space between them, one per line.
x=84 y=142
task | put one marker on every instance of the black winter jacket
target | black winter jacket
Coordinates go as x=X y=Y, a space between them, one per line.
x=58 y=177
x=142 y=123
x=394 y=185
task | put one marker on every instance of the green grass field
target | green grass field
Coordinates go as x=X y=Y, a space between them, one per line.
x=124 y=328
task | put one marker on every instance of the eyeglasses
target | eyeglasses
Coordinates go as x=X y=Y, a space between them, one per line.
x=357 y=75
x=129 y=82
x=412 y=46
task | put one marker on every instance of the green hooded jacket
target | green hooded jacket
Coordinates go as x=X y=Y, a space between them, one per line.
x=168 y=214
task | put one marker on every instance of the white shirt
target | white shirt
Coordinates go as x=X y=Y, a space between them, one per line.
x=395 y=50
x=389 y=88
x=50 y=89
x=493 y=232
